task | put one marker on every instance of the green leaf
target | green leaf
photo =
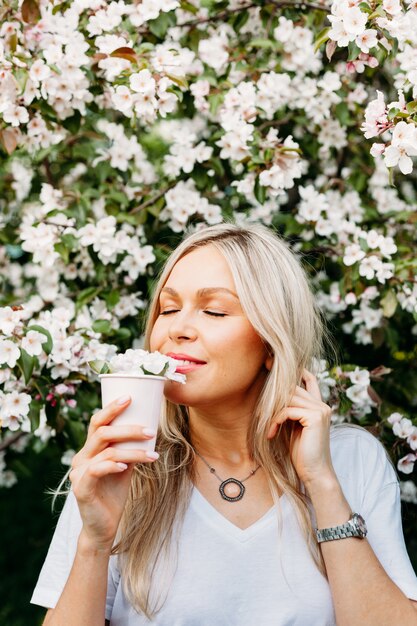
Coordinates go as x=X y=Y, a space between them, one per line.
x=215 y=100
x=354 y=51
x=393 y=113
x=187 y=6
x=322 y=37
x=61 y=8
x=240 y=20
x=86 y=295
x=262 y=43
x=27 y=363
x=160 y=25
x=99 y=367
x=343 y=114
x=77 y=433
x=412 y=106
x=389 y=303
x=112 y=298
x=62 y=250
x=34 y=414
x=259 y=191
x=379 y=12
x=121 y=334
x=102 y=326
x=70 y=241
x=73 y=123
x=14 y=251
x=48 y=344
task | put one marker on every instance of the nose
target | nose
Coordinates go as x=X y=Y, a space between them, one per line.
x=182 y=327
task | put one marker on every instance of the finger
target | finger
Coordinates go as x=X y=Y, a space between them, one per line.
x=127 y=456
x=108 y=413
x=110 y=461
x=305 y=417
x=311 y=384
x=105 y=435
x=306 y=401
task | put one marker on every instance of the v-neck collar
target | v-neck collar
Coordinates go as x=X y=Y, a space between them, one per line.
x=212 y=516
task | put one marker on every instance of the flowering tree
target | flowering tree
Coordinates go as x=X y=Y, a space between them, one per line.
x=123 y=123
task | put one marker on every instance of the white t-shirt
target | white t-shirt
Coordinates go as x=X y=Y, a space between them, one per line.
x=232 y=577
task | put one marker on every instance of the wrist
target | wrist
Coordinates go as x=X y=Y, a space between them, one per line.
x=322 y=486
x=89 y=547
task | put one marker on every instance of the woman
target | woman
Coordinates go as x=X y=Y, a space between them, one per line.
x=172 y=541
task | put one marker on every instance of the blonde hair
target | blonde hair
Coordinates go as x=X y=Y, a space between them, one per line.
x=275 y=296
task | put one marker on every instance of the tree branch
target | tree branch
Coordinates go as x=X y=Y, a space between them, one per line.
x=10 y=441
x=151 y=201
x=278 y=4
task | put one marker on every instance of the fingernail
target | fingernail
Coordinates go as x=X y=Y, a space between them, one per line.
x=122 y=466
x=152 y=455
x=149 y=432
x=123 y=400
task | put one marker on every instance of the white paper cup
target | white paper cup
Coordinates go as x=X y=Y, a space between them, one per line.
x=146 y=394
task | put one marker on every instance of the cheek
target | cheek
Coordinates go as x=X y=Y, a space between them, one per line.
x=156 y=337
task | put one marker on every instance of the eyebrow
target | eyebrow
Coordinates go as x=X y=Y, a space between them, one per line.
x=207 y=291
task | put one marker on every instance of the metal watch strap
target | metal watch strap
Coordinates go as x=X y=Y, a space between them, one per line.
x=355 y=527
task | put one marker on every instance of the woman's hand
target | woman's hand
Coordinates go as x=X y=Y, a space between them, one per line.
x=101 y=474
x=310 y=445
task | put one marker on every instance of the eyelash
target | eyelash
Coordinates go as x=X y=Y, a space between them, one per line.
x=208 y=313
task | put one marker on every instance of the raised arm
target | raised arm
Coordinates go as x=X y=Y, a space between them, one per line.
x=363 y=593
x=100 y=478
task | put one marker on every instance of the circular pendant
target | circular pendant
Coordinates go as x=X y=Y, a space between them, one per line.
x=232 y=489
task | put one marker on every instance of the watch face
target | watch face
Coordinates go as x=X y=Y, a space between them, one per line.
x=360 y=524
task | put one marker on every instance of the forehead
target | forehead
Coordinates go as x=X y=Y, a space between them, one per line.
x=201 y=268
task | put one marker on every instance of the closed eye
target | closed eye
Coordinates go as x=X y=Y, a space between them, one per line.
x=208 y=313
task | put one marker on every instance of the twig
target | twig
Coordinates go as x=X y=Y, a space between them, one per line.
x=11 y=440
x=151 y=201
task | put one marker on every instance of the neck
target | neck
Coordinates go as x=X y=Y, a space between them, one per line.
x=222 y=439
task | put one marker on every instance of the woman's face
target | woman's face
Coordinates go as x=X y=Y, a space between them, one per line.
x=201 y=318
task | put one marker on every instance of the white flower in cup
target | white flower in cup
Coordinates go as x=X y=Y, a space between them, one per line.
x=139 y=362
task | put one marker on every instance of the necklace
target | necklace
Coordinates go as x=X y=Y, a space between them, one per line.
x=230 y=489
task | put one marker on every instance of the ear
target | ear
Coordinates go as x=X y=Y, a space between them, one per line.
x=269 y=360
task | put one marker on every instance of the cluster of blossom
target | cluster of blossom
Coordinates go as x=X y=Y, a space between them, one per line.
x=73 y=345
x=286 y=164
x=298 y=43
x=358 y=392
x=408 y=491
x=141 y=362
x=124 y=153
x=403 y=428
x=333 y=215
x=184 y=153
x=403 y=141
x=355 y=385
x=366 y=317
x=145 y=97
x=184 y=201
x=110 y=15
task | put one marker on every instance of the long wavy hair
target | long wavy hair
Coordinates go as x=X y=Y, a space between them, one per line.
x=276 y=298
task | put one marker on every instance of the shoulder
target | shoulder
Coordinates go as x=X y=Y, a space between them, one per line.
x=360 y=459
x=349 y=439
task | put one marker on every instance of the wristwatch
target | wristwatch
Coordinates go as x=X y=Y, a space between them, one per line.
x=354 y=527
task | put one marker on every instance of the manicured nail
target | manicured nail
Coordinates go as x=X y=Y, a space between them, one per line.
x=122 y=466
x=149 y=432
x=123 y=400
x=152 y=455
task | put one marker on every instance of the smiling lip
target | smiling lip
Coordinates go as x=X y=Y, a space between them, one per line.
x=185 y=368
